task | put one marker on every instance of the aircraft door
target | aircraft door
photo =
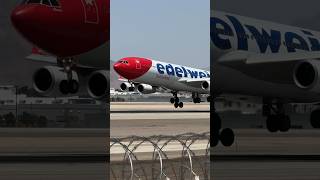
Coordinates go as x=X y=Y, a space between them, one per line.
x=91 y=11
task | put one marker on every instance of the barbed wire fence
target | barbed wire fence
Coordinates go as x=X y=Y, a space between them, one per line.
x=184 y=156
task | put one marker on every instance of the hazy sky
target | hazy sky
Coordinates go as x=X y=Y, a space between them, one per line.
x=175 y=31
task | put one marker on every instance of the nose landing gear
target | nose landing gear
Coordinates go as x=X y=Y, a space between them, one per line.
x=70 y=85
x=277 y=120
x=196 y=98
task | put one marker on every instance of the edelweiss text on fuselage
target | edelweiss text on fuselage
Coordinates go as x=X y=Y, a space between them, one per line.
x=181 y=71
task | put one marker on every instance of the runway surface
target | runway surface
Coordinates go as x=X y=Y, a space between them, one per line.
x=290 y=170
x=52 y=141
x=53 y=171
x=147 y=119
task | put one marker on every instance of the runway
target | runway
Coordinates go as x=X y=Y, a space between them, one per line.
x=148 y=119
x=289 y=170
x=53 y=171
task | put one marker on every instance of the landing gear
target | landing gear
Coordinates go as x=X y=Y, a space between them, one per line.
x=196 y=98
x=69 y=86
x=315 y=118
x=225 y=136
x=131 y=89
x=277 y=120
x=209 y=98
x=176 y=101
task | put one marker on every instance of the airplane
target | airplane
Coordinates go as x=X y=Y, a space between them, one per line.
x=278 y=63
x=72 y=36
x=148 y=76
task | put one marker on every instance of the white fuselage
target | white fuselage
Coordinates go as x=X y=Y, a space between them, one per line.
x=233 y=33
x=174 y=77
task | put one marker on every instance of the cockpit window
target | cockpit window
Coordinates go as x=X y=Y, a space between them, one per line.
x=46 y=2
x=53 y=3
x=33 y=1
x=123 y=62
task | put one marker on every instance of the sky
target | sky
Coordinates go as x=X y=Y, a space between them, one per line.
x=175 y=31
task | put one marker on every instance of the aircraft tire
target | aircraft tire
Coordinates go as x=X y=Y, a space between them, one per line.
x=172 y=100
x=73 y=86
x=315 y=119
x=64 y=87
x=285 y=123
x=176 y=105
x=131 y=89
x=215 y=139
x=198 y=100
x=227 y=137
x=216 y=122
x=180 y=104
x=272 y=124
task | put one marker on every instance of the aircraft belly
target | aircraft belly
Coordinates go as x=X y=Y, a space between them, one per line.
x=228 y=80
x=168 y=82
x=97 y=58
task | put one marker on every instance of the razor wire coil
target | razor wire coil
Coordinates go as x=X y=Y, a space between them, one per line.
x=158 y=163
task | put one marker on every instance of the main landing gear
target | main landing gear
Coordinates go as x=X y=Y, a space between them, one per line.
x=196 y=98
x=176 y=101
x=225 y=136
x=277 y=120
x=131 y=88
x=315 y=118
x=70 y=85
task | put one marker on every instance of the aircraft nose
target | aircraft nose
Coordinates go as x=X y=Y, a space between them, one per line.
x=117 y=66
x=53 y=29
x=22 y=16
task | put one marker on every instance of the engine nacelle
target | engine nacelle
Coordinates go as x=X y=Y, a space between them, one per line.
x=98 y=84
x=50 y=80
x=146 y=89
x=306 y=75
x=205 y=85
x=125 y=86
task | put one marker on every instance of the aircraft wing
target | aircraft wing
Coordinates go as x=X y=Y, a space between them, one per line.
x=38 y=55
x=274 y=58
x=274 y=68
x=194 y=82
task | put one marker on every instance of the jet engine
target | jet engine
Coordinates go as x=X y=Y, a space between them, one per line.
x=307 y=75
x=52 y=81
x=205 y=85
x=146 y=89
x=125 y=86
x=98 y=84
